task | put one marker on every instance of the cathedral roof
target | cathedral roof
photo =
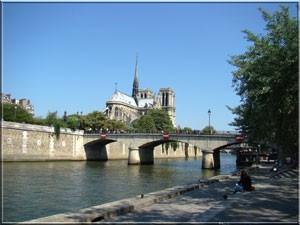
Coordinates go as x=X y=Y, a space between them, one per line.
x=123 y=98
x=145 y=102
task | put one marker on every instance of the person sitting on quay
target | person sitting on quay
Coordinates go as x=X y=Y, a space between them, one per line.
x=245 y=183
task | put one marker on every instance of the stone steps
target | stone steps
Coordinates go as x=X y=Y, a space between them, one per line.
x=287 y=173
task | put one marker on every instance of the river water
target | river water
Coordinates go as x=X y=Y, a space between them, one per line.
x=37 y=189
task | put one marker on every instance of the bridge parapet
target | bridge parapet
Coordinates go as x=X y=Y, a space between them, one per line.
x=146 y=139
x=155 y=136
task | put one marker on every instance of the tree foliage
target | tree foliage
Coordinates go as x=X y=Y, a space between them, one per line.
x=115 y=125
x=187 y=130
x=161 y=119
x=52 y=118
x=209 y=130
x=15 y=113
x=153 y=120
x=94 y=121
x=74 y=121
x=146 y=123
x=267 y=82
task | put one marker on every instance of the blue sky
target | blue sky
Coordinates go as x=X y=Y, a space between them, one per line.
x=68 y=56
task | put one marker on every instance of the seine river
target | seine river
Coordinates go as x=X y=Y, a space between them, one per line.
x=37 y=189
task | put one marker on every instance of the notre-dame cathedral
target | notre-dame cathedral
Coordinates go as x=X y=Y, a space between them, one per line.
x=127 y=108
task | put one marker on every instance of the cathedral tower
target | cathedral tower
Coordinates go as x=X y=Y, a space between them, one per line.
x=167 y=102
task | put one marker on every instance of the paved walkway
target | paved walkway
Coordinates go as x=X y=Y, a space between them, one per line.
x=275 y=199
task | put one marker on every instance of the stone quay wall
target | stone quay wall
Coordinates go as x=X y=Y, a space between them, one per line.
x=28 y=142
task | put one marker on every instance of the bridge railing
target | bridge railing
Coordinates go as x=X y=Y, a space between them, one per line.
x=137 y=132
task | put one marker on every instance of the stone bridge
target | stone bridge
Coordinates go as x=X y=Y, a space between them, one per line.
x=31 y=142
x=141 y=148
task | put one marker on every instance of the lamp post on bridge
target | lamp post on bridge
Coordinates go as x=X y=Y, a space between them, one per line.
x=208 y=154
x=209 y=112
x=15 y=116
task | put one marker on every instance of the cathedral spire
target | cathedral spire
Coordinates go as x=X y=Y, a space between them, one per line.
x=136 y=74
x=135 y=88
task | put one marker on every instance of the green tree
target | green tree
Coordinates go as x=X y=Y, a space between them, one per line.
x=52 y=119
x=146 y=123
x=161 y=119
x=267 y=82
x=74 y=121
x=15 y=113
x=40 y=121
x=209 y=130
x=135 y=124
x=187 y=130
x=94 y=121
x=115 y=125
x=153 y=120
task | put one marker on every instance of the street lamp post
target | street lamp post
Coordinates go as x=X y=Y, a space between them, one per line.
x=15 y=117
x=209 y=112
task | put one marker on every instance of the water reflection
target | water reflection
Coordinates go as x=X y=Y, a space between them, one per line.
x=37 y=189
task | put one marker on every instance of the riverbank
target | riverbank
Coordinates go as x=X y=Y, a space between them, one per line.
x=275 y=199
x=114 y=209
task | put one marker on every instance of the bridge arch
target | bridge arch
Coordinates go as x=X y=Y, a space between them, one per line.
x=216 y=151
x=96 y=149
x=146 y=150
x=105 y=147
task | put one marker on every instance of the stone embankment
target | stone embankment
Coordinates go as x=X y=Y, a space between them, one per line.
x=29 y=142
x=109 y=210
x=275 y=199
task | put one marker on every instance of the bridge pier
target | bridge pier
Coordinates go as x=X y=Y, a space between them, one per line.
x=147 y=156
x=134 y=156
x=217 y=160
x=208 y=159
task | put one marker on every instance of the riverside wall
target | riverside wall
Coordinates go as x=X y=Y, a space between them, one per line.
x=28 y=142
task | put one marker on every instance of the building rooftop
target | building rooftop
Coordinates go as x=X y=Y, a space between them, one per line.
x=145 y=102
x=124 y=98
